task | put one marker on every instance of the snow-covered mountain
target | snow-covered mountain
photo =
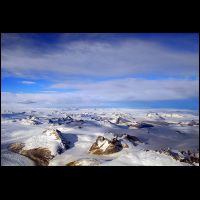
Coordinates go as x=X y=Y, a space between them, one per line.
x=78 y=137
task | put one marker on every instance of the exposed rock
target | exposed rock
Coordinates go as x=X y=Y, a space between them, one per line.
x=179 y=132
x=53 y=132
x=123 y=137
x=16 y=147
x=154 y=116
x=133 y=139
x=41 y=148
x=182 y=156
x=51 y=121
x=60 y=121
x=80 y=121
x=57 y=135
x=68 y=118
x=193 y=123
x=194 y=159
x=32 y=117
x=104 y=146
x=41 y=156
x=174 y=155
x=84 y=162
x=182 y=123
x=30 y=121
x=125 y=145
x=121 y=120
x=141 y=125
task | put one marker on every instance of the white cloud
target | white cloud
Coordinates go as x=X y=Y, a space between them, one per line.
x=92 y=58
x=28 y=82
x=114 y=91
x=48 y=91
x=70 y=63
x=137 y=89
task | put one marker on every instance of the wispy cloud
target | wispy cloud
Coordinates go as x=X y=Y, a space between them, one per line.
x=26 y=102
x=93 y=58
x=48 y=91
x=93 y=72
x=112 y=91
x=28 y=82
x=135 y=89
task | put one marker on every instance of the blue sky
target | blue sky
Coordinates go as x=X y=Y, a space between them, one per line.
x=137 y=70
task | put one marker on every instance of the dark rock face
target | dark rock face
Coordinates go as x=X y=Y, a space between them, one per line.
x=179 y=132
x=16 y=147
x=168 y=152
x=104 y=146
x=41 y=156
x=133 y=139
x=121 y=120
x=143 y=125
x=193 y=123
x=182 y=156
x=51 y=121
x=60 y=121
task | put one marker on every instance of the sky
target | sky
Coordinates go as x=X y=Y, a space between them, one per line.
x=128 y=70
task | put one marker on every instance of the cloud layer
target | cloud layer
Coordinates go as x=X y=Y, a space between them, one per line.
x=94 y=72
x=93 y=58
x=111 y=91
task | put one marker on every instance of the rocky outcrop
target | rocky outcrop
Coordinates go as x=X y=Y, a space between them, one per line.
x=174 y=154
x=16 y=147
x=41 y=148
x=30 y=122
x=193 y=123
x=154 y=116
x=190 y=157
x=104 y=146
x=123 y=137
x=121 y=120
x=56 y=134
x=183 y=156
x=84 y=162
x=62 y=120
x=32 y=117
x=41 y=156
x=133 y=139
x=141 y=125
x=125 y=145
x=180 y=133
x=131 y=123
